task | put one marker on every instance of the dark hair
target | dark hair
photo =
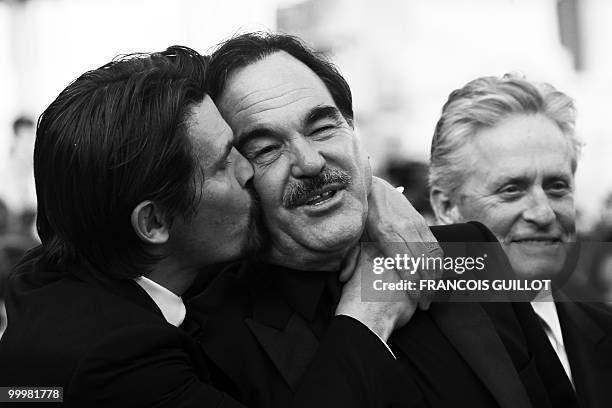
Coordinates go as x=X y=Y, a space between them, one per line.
x=114 y=137
x=22 y=121
x=246 y=49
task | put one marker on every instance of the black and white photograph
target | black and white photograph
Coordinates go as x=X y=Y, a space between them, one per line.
x=306 y=203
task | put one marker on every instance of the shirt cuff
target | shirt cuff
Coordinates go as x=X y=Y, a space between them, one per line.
x=383 y=342
x=379 y=338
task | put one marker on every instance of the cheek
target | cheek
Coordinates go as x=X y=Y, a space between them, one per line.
x=212 y=195
x=499 y=218
x=354 y=159
x=503 y=218
x=222 y=199
x=269 y=187
x=566 y=214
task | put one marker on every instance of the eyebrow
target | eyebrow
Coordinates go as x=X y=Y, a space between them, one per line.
x=512 y=179
x=322 y=112
x=521 y=179
x=314 y=115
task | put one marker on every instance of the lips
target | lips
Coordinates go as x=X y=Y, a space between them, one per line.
x=319 y=199
x=319 y=196
x=537 y=240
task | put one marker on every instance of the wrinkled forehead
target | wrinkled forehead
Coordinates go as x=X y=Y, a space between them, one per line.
x=525 y=137
x=276 y=82
x=525 y=147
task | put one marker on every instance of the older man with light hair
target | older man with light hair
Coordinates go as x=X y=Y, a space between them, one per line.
x=504 y=153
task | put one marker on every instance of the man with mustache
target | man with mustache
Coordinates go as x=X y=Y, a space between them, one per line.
x=291 y=112
x=139 y=191
x=504 y=153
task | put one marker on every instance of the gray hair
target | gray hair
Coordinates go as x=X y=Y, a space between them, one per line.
x=484 y=103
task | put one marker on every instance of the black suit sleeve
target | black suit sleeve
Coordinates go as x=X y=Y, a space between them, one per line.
x=145 y=366
x=153 y=366
x=353 y=368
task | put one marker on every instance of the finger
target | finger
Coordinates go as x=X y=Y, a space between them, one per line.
x=424 y=272
x=431 y=273
x=415 y=295
x=426 y=297
x=435 y=273
x=413 y=250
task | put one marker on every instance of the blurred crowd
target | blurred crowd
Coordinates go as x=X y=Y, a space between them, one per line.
x=17 y=203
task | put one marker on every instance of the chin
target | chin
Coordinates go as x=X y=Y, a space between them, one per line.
x=334 y=244
x=538 y=269
x=335 y=239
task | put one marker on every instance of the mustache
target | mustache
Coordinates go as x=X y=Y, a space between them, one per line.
x=297 y=190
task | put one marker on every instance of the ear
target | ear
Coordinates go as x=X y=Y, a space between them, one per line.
x=445 y=207
x=149 y=223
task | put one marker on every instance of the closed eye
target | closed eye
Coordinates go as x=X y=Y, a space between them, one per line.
x=324 y=128
x=262 y=155
x=264 y=150
x=324 y=132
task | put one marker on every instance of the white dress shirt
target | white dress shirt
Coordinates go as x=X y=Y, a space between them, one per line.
x=547 y=311
x=171 y=306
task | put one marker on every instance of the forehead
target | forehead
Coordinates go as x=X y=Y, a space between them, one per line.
x=519 y=145
x=208 y=132
x=271 y=90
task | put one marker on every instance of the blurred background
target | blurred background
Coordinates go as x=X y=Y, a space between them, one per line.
x=401 y=57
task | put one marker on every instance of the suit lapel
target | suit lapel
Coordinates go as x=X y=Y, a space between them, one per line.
x=291 y=348
x=283 y=334
x=469 y=329
x=589 y=350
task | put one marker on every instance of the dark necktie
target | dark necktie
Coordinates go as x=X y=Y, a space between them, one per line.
x=327 y=305
x=558 y=386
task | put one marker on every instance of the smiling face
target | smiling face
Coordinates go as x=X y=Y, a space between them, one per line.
x=310 y=171
x=520 y=184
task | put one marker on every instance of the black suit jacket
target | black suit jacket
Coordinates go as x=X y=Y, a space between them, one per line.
x=107 y=344
x=587 y=337
x=261 y=348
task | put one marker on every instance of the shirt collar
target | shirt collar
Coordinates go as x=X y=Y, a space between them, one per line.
x=171 y=305
x=545 y=308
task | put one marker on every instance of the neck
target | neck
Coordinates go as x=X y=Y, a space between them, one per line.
x=168 y=274
x=307 y=260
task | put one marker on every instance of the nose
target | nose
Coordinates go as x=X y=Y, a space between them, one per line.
x=307 y=160
x=539 y=210
x=243 y=169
